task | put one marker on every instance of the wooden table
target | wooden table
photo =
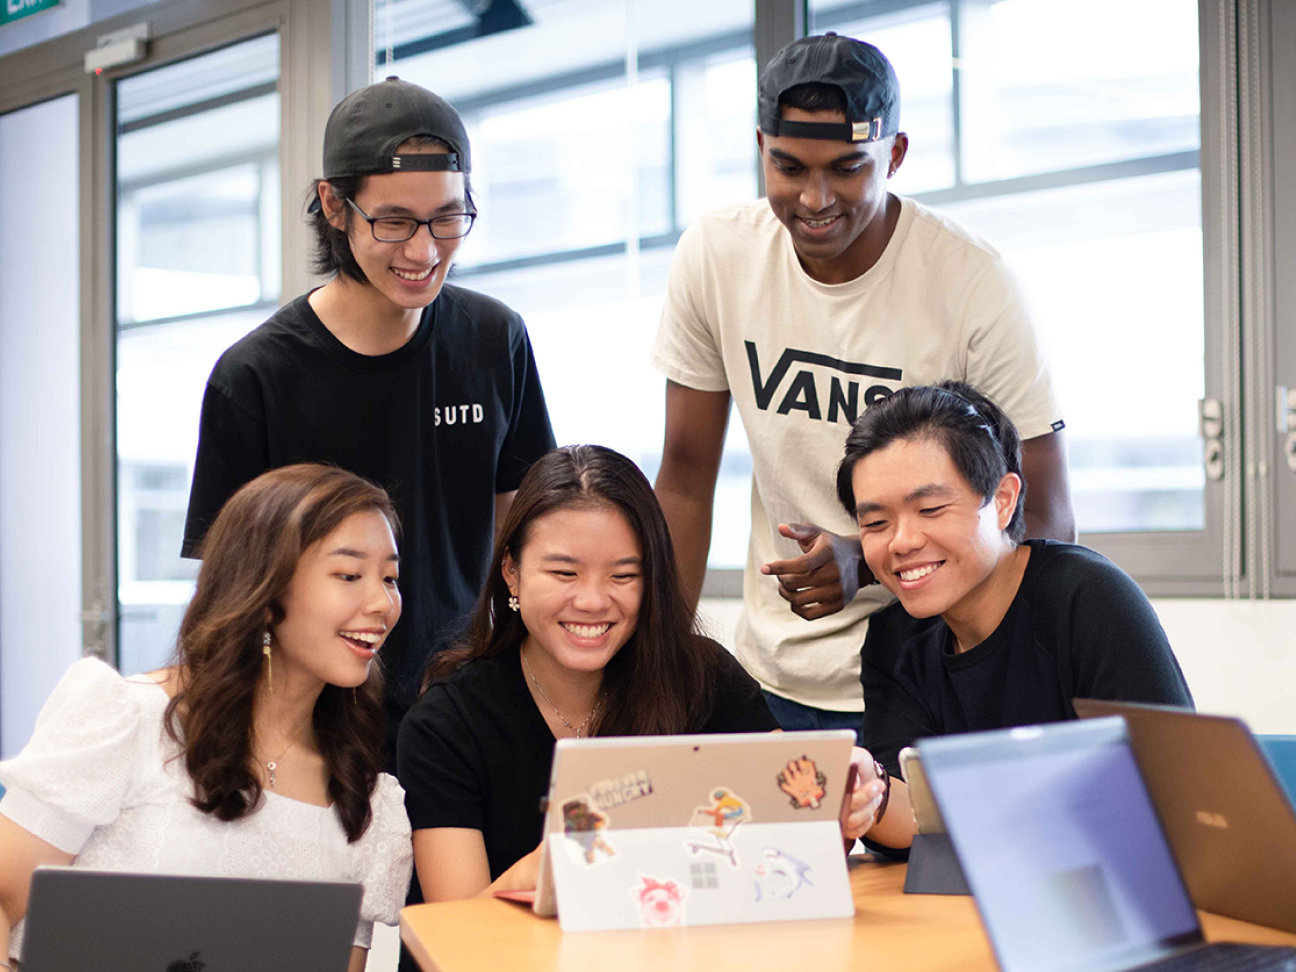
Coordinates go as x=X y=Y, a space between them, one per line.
x=891 y=931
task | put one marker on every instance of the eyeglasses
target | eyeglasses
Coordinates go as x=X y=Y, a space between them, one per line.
x=398 y=229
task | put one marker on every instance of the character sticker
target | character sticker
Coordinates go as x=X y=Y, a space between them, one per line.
x=607 y=794
x=779 y=875
x=803 y=782
x=584 y=825
x=661 y=903
x=723 y=814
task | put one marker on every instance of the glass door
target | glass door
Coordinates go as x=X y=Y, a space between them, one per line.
x=40 y=410
x=198 y=245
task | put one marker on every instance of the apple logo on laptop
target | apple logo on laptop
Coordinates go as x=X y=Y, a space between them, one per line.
x=192 y=964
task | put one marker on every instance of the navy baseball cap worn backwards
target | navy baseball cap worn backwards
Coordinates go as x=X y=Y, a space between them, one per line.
x=860 y=70
x=368 y=125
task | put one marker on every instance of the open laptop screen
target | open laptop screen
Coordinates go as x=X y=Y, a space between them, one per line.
x=1061 y=846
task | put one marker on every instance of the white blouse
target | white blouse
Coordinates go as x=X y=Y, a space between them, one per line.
x=98 y=780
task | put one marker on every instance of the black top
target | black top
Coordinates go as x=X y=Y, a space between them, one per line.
x=475 y=751
x=1079 y=627
x=443 y=423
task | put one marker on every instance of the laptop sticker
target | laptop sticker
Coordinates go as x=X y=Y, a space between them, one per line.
x=725 y=812
x=704 y=877
x=803 y=782
x=661 y=903
x=779 y=875
x=584 y=825
x=607 y=794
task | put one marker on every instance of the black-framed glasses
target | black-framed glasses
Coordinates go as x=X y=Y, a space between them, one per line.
x=398 y=229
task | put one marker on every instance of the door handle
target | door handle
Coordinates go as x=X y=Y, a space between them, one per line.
x=1210 y=423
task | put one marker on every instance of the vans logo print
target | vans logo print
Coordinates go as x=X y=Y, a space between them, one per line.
x=802 y=392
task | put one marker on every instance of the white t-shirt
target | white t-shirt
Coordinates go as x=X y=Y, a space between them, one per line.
x=97 y=780
x=802 y=359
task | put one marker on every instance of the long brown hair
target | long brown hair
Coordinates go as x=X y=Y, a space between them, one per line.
x=663 y=678
x=249 y=555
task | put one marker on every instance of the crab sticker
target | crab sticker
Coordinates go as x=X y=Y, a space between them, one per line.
x=803 y=782
x=585 y=825
x=779 y=875
x=723 y=814
x=661 y=903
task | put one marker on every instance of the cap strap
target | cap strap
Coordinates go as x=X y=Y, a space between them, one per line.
x=844 y=132
x=427 y=162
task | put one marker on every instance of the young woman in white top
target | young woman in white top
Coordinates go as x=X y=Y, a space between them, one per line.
x=259 y=752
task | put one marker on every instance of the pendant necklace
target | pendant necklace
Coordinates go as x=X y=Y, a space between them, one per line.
x=562 y=718
x=273 y=764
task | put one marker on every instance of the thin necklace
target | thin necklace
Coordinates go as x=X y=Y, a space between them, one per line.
x=562 y=718
x=273 y=764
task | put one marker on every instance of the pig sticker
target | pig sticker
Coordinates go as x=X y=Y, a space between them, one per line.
x=661 y=903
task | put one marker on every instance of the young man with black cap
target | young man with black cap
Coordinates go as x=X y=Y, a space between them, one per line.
x=428 y=389
x=804 y=309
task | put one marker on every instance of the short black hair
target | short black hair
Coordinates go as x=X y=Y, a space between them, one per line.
x=814 y=96
x=979 y=438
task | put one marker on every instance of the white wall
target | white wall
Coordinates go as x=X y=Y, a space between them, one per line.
x=1239 y=656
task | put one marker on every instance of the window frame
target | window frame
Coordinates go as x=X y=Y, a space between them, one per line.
x=1243 y=509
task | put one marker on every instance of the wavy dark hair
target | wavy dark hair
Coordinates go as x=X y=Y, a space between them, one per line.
x=663 y=679
x=249 y=556
x=980 y=439
x=332 y=249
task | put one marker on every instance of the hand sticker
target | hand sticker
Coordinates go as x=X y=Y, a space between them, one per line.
x=803 y=781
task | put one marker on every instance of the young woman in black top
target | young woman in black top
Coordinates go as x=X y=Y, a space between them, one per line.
x=581 y=630
x=989 y=632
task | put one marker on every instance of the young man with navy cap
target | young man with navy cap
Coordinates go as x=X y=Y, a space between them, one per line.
x=428 y=389
x=804 y=308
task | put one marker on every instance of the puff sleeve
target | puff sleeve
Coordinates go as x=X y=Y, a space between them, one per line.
x=386 y=860
x=79 y=768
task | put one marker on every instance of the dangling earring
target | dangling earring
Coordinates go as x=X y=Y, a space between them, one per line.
x=265 y=650
x=513 y=603
x=355 y=696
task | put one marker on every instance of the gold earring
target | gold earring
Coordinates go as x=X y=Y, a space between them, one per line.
x=265 y=650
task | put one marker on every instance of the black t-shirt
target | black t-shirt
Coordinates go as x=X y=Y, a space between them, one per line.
x=1079 y=627
x=475 y=751
x=443 y=424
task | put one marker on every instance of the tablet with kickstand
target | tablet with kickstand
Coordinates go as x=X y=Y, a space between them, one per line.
x=660 y=831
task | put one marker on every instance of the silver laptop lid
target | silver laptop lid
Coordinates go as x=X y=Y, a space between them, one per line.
x=1061 y=847
x=119 y=922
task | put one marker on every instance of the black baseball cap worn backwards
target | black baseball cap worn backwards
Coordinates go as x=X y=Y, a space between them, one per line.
x=368 y=125
x=860 y=70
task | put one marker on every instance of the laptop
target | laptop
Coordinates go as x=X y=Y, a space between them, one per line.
x=1066 y=859
x=661 y=831
x=1223 y=807
x=111 y=921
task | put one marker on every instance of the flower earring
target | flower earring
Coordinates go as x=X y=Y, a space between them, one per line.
x=513 y=603
x=265 y=650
